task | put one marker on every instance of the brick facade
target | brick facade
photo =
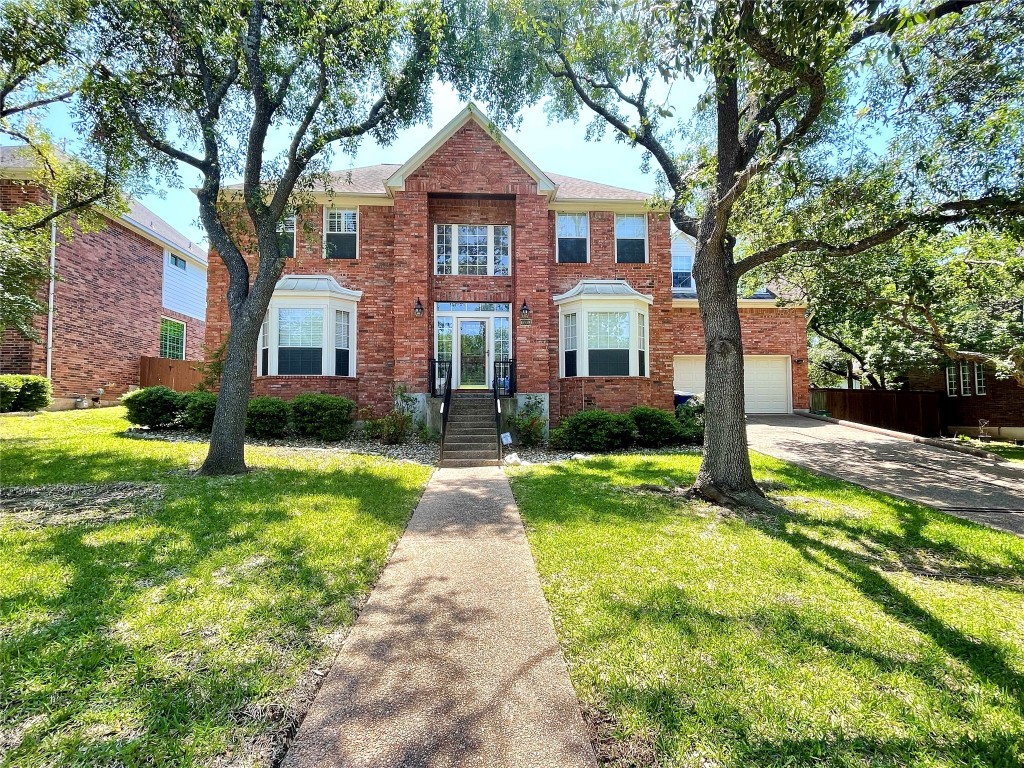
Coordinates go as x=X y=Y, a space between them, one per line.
x=107 y=310
x=472 y=179
x=1002 y=405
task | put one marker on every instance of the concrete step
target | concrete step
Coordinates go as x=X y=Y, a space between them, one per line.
x=470 y=463
x=455 y=444
x=485 y=418
x=470 y=454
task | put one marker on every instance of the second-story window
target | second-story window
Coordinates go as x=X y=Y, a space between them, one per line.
x=341 y=234
x=286 y=236
x=572 y=232
x=472 y=249
x=630 y=238
x=177 y=261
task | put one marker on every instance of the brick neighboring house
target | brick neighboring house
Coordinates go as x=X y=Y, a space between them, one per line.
x=972 y=393
x=135 y=288
x=469 y=252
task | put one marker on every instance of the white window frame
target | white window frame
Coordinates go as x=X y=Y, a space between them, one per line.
x=327 y=219
x=282 y=228
x=582 y=308
x=184 y=338
x=328 y=305
x=572 y=213
x=173 y=259
x=965 y=378
x=951 y=380
x=455 y=249
x=647 y=236
x=980 y=388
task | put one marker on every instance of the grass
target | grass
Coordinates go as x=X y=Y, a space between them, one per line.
x=183 y=623
x=845 y=628
x=1008 y=451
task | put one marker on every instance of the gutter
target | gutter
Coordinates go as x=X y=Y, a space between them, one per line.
x=50 y=302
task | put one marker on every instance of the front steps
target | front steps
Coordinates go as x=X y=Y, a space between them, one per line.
x=471 y=439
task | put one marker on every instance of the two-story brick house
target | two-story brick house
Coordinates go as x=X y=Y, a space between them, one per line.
x=469 y=252
x=135 y=288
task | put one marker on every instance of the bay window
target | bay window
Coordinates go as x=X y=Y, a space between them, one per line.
x=472 y=249
x=572 y=232
x=630 y=238
x=607 y=321
x=309 y=329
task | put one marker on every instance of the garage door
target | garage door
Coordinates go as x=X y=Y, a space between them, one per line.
x=766 y=380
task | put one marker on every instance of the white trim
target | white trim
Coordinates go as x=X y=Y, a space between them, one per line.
x=980 y=387
x=184 y=337
x=768 y=302
x=582 y=306
x=470 y=112
x=601 y=205
x=965 y=378
x=572 y=213
x=488 y=318
x=324 y=233
x=952 y=380
x=647 y=236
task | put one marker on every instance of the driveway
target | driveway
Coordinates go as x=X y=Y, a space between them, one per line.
x=967 y=486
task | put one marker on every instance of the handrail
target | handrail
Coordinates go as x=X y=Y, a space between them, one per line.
x=497 y=420
x=504 y=378
x=447 y=402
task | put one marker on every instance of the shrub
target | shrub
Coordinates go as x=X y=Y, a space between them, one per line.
x=199 y=409
x=527 y=423
x=594 y=430
x=655 y=427
x=690 y=416
x=20 y=392
x=154 y=407
x=326 y=417
x=395 y=427
x=267 y=417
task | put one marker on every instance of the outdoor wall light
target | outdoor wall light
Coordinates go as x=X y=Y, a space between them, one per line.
x=524 y=311
x=418 y=309
x=798 y=360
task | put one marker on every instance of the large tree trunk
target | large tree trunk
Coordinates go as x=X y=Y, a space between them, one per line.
x=725 y=473
x=227 y=441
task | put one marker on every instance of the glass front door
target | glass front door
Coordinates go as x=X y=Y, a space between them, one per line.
x=473 y=353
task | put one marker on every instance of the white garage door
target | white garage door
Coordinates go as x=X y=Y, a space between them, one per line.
x=765 y=377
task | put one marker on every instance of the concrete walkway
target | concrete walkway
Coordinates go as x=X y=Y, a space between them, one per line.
x=967 y=486
x=453 y=661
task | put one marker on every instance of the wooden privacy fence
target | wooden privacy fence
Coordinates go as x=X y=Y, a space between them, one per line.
x=913 y=412
x=179 y=375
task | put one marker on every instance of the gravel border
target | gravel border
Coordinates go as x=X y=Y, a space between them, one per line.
x=546 y=455
x=414 y=451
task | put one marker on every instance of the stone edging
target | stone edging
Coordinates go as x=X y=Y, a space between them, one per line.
x=947 y=444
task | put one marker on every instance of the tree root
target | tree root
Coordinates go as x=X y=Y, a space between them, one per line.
x=754 y=499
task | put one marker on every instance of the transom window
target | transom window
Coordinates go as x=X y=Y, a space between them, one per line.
x=172 y=339
x=341 y=234
x=630 y=238
x=572 y=238
x=472 y=249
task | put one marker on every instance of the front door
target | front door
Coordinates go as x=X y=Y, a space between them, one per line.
x=473 y=354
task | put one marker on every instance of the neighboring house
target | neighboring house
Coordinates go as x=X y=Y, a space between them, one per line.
x=469 y=252
x=971 y=393
x=135 y=288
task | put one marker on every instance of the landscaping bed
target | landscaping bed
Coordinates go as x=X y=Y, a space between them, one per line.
x=838 y=627
x=152 y=617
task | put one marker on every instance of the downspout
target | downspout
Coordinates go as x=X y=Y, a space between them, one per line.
x=50 y=303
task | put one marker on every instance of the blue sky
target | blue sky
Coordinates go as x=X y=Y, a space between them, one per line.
x=556 y=147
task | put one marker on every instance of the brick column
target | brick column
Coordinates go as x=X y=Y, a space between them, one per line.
x=412 y=265
x=536 y=345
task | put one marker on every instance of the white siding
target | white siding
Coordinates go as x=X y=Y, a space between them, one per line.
x=184 y=290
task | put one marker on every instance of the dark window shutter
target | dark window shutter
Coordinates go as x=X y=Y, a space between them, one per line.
x=572 y=250
x=341 y=245
x=630 y=251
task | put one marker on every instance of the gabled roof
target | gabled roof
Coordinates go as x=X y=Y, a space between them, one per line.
x=570 y=188
x=19 y=161
x=316 y=284
x=603 y=289
x=397 y=181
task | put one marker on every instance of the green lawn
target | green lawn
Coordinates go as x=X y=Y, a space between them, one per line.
x=1008 y=451
x=186 y=618
x=846 y=628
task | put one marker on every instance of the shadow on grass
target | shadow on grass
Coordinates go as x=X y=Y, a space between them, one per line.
x=870 y=554
x=146 y=640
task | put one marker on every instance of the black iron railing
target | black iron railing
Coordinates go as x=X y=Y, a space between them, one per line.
x=504 y=378
x=446 y=404
x=440 y=373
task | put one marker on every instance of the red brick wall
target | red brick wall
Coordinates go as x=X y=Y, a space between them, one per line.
x=1002 y=404
x=107 y=313
x=766 y=331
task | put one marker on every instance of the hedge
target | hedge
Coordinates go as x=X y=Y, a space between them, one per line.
x=19 y=392
x=154 y=407
x=326 y=417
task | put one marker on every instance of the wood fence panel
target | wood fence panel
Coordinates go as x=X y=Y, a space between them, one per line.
x=179 y=375
x=914 y=412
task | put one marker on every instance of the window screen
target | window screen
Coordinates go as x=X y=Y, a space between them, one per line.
x=630 y=238
x=572 y=232
x=608 y=343
x=300 y=339
x=341 y=234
